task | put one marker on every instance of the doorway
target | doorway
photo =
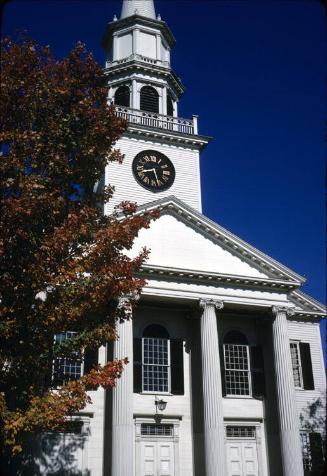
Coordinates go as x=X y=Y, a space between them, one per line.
x=241 y=451
x=156 y=449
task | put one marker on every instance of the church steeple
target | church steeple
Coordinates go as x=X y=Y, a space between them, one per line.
x=146 y=92
x=144 y=8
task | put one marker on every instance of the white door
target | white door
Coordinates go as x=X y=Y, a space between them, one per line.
x=242 y=459
x=157 y=458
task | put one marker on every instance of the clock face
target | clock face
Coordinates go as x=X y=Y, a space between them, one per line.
x=153 y=170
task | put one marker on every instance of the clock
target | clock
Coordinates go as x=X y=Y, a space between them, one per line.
x=153 y=170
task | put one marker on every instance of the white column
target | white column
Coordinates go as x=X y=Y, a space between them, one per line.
x=114 y=48
x=288 y=415
x=135 y=40
x=195 y=123
x=164 y=101
x=135 y=101
x=122 y=412
x=158 y=46
x=214 y=432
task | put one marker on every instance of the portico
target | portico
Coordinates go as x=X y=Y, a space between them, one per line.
x=209 y=317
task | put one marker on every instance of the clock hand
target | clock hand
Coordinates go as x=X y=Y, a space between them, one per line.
x=148 y=170
x=155 y=173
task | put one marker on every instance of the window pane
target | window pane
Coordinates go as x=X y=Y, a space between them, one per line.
x=151 y=429
x=155 y=364
x=240 y=432
x=296 y=364
x=237 y=371
x=64 y=368
x=306 y=451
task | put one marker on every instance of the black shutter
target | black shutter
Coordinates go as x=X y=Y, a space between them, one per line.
x=316 y=450
x=306 y=365
x=137 y=365
x=177 y=367
x=91 y=356
x=222 y=370
x=257 y=372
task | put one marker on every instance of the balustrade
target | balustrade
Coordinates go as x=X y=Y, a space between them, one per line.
x=159 y=121
x=138 y=57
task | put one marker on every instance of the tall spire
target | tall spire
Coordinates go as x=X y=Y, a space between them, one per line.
x=145 y=8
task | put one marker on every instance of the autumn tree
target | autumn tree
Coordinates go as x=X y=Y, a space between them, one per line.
x=63 y=263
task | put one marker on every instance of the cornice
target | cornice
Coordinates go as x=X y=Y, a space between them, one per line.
x=227 y=239
x=302 y=299
x=137 y=19
x=135 y=65
x=201 y=277
x=177 y=138
x=316 y=313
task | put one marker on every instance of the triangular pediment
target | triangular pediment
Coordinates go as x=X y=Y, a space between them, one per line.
x=176 y=244
x=182 y=238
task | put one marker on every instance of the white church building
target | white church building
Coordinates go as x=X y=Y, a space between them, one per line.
x=226 y=374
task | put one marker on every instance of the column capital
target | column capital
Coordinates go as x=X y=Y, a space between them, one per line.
x=125 y=305
x=289 y=311
x=203 y=303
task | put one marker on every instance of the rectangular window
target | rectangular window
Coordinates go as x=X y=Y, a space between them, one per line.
x=151 y=429
x=306 y=453
x=240 y=431
x=237 y=369
x=64 y=368
x=156 y=364
x=296 y=364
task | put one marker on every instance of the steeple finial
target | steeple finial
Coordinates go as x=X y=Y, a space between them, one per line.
x=145 y=8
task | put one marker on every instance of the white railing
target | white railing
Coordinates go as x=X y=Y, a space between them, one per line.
x=158 y=121
x=137 y=57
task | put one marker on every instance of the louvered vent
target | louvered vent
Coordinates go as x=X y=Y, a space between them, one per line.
x=149 y=99
x=122 y=96
x=170 y=106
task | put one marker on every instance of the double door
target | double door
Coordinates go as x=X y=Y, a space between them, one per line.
x=242 y=458
x=157 y=458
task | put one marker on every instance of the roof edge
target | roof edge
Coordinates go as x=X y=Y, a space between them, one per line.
x=256 y=257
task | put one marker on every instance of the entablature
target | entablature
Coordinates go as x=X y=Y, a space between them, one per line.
x=209 y=277
x=194 y=141
x=148 y=66
x=117 y=25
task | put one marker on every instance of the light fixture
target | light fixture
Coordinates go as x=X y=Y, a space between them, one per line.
x=161 y=406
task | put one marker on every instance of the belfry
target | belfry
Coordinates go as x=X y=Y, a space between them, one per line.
x=224 y=349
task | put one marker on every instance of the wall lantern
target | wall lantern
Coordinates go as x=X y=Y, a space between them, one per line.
x=160 y=406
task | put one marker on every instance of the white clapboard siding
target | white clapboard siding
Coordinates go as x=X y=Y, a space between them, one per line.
x=187 y=182
x=309 y=332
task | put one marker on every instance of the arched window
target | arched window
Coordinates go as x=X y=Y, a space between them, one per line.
x=155 y=330
x=170 y=106
x=237 y=364
x=122 y=96
x=155 y=359
x=149 y=99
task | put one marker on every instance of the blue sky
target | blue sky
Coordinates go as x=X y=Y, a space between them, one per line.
x=254 y=71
